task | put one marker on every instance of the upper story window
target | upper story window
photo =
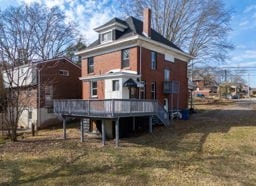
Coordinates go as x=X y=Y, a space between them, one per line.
x=48 y=91
x=94 y=92
x=153 y=60
x=90 y=65
x=125 y=58
x=115 y=85
x=64 y=72
x=105 y=37
x=167 y=74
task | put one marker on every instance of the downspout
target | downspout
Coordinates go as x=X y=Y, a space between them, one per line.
x=140 y=69
x=39 y=98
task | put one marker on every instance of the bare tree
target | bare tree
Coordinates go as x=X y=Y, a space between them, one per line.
x=199 y=27
x=28 y=33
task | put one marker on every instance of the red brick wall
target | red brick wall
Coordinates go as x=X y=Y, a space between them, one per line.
x=104 y=63
x=178 y=72
x=64 y=87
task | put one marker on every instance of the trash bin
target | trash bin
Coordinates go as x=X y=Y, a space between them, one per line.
x=185 y=114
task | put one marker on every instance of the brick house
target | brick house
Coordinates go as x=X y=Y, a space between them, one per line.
x=128 y=63
x=41 y=83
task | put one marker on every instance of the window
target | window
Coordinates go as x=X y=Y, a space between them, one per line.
x=153 y=90
x=166 y=74
x=48 y=91
x=115 y=85
x=64 y=72
x=153 y=60
x=125 y=58
x=143 y=90
x=29 y=114
x=94 y=89
x=106 y=36
x=90 y=66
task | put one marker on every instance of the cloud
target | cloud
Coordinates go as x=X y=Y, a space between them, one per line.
x=250 y=8
x=87 y=14
x=244 y=23
x=243 y=57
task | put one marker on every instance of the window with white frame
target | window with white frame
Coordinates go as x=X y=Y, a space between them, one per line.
x=90 y=65
x=153 y=90
x=48 y=91
x=107 y=36
x=125 y=58
x=64 y=72
x=115 y=85
x=153 y=60
x=94 y=89
x=143 y=90
x=166 y=74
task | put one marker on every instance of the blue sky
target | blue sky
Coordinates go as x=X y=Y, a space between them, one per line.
x=92 y=13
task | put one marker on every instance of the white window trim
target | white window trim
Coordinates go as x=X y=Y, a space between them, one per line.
x=91 y=89
x=115 y=80
x=153 y=91
x=106 y=41
x=169 y=71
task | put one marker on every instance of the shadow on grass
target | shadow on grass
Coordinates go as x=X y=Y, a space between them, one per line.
x=178 y=149
x=186 y=140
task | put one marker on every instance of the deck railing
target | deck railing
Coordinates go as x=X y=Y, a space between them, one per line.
x=110 y=108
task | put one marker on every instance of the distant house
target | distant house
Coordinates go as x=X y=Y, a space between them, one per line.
x=42 y=82
x=204 y=85
x=233 y=90
x=130 y=71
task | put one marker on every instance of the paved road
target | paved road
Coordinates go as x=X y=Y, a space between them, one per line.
x=247 y=104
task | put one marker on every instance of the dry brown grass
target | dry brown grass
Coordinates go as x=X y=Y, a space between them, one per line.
x=215 y=147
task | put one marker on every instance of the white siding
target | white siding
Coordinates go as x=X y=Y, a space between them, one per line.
x=123 y=92
x=20 y=76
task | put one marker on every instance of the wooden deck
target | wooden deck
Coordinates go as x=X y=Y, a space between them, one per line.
x=109 y=109
x=113 y=108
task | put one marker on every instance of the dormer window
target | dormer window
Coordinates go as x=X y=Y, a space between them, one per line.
x=106 y=37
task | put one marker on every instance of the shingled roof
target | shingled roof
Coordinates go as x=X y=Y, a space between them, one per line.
x=135 y=26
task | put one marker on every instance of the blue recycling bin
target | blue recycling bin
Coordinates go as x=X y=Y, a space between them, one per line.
x=185 y=114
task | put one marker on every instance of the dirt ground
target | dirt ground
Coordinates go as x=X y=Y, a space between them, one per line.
x=216 y=146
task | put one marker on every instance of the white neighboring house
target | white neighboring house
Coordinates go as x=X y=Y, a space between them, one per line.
x=39 y=83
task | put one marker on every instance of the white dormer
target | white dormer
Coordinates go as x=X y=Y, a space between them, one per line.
x=107 y=32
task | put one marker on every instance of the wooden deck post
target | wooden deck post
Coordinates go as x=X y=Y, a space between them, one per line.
x=103 y=135
x=117 y=132
x=64 y=128
x=82 y=130
x=150 y=124
x=133 y=124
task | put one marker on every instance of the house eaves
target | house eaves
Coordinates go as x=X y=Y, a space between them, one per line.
x=135 y=40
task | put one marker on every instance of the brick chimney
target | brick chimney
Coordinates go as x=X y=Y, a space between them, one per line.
x=147 y=22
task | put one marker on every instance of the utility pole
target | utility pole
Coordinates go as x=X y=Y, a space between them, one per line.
x=226 y=88
x=225 y=73
x=248 y=85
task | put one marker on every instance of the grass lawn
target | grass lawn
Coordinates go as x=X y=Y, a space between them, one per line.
x=214 y=147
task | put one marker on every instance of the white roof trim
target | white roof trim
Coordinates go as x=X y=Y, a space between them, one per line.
x=107 y=45
x=112 y=75
x=113 y=25
x=138 y=40
x=165 y=46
